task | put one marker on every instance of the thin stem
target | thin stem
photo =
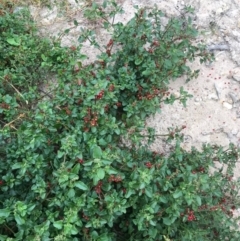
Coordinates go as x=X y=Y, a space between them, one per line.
x=6 y=226
x=15 y=90
x=156 y=135
x=94 y=44
x=10 y=123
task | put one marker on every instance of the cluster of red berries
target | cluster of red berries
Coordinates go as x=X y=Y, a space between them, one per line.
x=148 y=165
x=98 y=187
x=73 y=48
x=85 y=217
x=80 y=101
x=199 y=170
x=102 y=63
x=111 y=87
x=119 y=104
x=203 y=207
x=229 y=178
x=106 y=108
x=93 y=74
x=221 y=205
x=191 y=216
x=91 y=119
x=149 y=95
x=80 y=161
x=99 y=95
x=5 y=106
x=109 y=47
x=68 y=112
x=113 y=178
x=155 y=43
x=150 y=50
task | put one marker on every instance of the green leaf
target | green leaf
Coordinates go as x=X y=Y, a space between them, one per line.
x=163 y=199
x=117 y=131
x=75 y=22
x=71 y=193
x=167 y=64
x=58 y=224
x=3 y=238
x=16 y=165
x=94 y=234
x=148 y=192
x=60 y=154
x=112 y=171
x=129 y=193
x=199 y=201
x=177 y=194
x=100 y=173
x=138 y=61
x=167 y=221
x=4 y=213
x=44 y=58
x=66 y=31
x=76 y=168
x=153 y=232
x=14 y=42
x=97 y=152
x=81 y=185
x=19 y=219
x=74 y=230
x=147 y=72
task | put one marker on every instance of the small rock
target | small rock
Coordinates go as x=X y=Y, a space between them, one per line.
x=18 y=9
x=238 y=113
x=234 y=131
x=187 y=138
x=227 y=105
x=204 y=133
x=230 y=101
x=176 y=94
x=236 y=77
x=197 y=99
x=204 y=98
x=212 y=96
x=209 y=63
x=233 y=97
x=219 y=130
x=218 y=89
x=229 y=135
x=196 y=103
x=48 y=16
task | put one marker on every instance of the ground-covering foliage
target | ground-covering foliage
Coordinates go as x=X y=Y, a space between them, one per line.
x=75 y=157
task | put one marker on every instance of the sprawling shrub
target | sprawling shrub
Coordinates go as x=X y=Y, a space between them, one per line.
x=75 y=157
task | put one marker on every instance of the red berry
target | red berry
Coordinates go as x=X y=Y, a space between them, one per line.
x=110 y=43
x=118 y=104
x=148 y=165
x=111 y=87
x=80 y=161
x=155 y=43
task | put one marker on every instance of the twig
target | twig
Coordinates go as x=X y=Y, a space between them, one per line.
x=16 y=91
x=220 y=47
x=155 y=135
x=10 y=123
x=6 y=226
